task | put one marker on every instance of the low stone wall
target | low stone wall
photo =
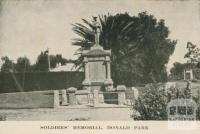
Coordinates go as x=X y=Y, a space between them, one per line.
x=72 y=96
x=63 y=97
x=36 y=99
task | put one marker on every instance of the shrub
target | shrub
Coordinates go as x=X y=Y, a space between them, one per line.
x=197 y=100
x=151 y=104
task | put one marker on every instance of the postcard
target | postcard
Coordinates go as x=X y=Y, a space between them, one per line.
x=99 y=66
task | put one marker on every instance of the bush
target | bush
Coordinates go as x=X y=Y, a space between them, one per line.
x=197 y=100
x=151 y=104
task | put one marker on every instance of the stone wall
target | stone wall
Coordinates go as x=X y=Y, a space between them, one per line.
x=57 y=98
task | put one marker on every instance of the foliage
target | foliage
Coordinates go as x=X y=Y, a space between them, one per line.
x=151 y=105
x=8 y=65
x=197 y=100
x=42 y=63
x=152 y=102
x=193 y=54
x=177 y=71
x=139 y=44
x=198 y=110
x=23 y=64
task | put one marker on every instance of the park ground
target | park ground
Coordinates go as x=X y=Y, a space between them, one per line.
x=78 y=113
x=67 y=114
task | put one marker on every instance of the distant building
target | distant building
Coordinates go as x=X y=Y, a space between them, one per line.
x=67 y=67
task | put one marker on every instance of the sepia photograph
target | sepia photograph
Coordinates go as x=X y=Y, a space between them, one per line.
x=100 y=60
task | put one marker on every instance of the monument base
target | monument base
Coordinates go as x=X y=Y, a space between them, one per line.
x=86 y=85
x=109 y=85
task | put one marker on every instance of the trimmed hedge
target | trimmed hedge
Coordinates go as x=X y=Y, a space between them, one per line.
x=37 y=81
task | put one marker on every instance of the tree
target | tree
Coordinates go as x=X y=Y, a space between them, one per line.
x=177 y=70
x=8 y=65
x=23 y=64
x=42 y=63
x=139 y=45
x=193 y=55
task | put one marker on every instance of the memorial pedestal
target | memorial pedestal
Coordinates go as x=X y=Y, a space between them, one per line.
x=121 y=94
x=71 y=95
x=64 y=97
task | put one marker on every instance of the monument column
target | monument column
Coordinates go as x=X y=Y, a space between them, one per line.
x=86 y=69
x=86 y=82
x=108 y=68
x=108 y=82
x=95 y=97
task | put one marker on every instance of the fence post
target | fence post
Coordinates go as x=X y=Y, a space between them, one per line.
x=121 y=94
x=101 y=97
x=56 y=99
x=96 y=97
x=72 y=97
x=64 y=97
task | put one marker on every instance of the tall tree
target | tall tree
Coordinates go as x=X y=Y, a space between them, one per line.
x=139 y=45
x=42 y=63
x=23 y=64
x=8 y=65
x=177 y=70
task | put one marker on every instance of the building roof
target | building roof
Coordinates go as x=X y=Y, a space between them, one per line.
x=67 y=67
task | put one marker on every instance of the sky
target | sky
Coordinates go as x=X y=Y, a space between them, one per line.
x=28 y=27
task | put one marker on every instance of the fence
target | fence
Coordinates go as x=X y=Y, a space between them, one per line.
x=35 y=81
x=110 y=97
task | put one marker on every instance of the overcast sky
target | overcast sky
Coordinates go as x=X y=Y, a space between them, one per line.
x=29 y=26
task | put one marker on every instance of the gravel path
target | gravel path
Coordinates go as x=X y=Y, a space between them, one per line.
x=63 y=114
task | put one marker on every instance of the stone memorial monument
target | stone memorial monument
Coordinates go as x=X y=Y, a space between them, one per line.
x=97 y=65
x=188 y=74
